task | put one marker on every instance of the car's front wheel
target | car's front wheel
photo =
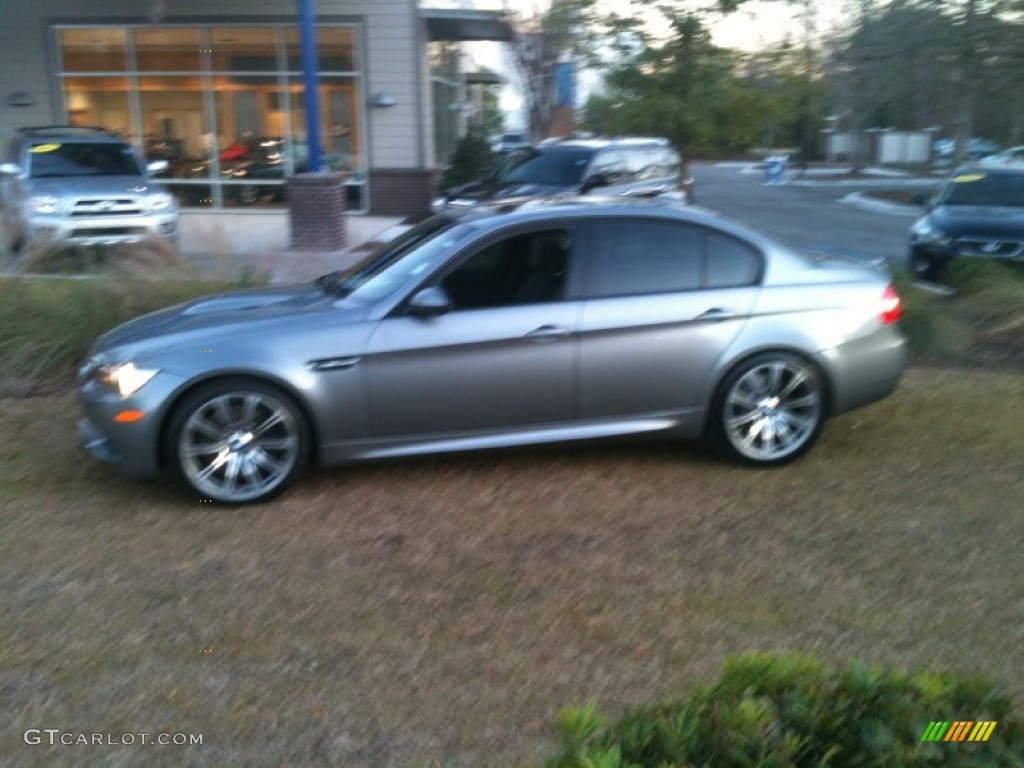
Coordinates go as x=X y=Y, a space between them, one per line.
x=769 y=409
x=238 y=441
x=922 y=266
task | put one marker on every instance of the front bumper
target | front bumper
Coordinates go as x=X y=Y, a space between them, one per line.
x=102 y=230
x=132 y=447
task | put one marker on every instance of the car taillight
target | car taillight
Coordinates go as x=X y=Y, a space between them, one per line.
x=892 y=306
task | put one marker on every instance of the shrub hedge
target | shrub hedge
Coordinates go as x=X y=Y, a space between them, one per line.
x=789 y=711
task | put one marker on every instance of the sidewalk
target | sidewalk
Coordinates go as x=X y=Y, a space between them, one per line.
x=229 y=244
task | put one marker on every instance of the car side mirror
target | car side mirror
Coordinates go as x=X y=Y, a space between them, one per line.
x=157 y=166
x=10 y=169
x=432 y=301
x=594 y=181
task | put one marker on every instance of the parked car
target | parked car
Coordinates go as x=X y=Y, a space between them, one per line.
x=1012 y=157
x=81 y=185
x=976 y=148
x=508 y=142
x=978 y=214
x=634 y=167
x=500 y=326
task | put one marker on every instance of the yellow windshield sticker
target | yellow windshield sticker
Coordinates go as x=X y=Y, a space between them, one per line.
x=968 y=177
x=45 y=147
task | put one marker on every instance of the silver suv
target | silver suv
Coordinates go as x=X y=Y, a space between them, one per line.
x=81 y=185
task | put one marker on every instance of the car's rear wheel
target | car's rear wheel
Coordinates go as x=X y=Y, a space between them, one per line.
x=238 y=441
x=769 y=409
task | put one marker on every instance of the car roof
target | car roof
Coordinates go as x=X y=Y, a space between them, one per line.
x=71 y=133
x=525 y=210
x=989 y=170
x=596 y=144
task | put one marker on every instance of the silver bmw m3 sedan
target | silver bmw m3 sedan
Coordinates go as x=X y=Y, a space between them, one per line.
x=500 y=326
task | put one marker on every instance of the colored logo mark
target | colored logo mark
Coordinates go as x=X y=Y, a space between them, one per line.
x=959 y=730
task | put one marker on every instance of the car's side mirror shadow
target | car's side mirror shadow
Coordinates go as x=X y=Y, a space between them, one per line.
x=432 y=301
x=10 y=169
x=157 y=166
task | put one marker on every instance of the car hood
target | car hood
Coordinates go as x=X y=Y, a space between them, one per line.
x=223 y=315
x=94 y=186
x=997 y=222
x=480 y=191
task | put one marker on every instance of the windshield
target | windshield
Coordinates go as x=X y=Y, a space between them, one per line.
x=561 y=168
x=83 y=159
x=1006 y=189
x=385 y=270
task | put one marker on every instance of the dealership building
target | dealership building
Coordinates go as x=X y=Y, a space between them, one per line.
x=216 y=89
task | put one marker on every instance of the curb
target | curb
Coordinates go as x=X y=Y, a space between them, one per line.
x=864 y=202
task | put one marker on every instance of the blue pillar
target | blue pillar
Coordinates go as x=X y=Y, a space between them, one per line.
x=310 y=71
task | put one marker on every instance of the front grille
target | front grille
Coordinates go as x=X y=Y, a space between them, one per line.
x=991 y=249
x=108 y=231
x=106 y=206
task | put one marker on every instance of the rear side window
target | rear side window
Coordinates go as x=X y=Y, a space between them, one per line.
x=645 y=256
x=639 y=256
x=731 y=262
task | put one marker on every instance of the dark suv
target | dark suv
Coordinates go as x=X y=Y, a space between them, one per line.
x=978 y=213
x=81 y=185
x=633 y=167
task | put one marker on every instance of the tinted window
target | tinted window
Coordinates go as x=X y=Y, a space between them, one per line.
x=522 y=269
x=82 y=159
x=646 y=256
x=731 y=262
x=558 y=168
x=979 y=188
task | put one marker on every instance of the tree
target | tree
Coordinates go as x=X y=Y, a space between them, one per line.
x=569 y=30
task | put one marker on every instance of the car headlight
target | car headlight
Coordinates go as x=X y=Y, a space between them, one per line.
x=160 y=201
x=438 y=204
x=125 y=378
x=926 y=232
x=45 y=204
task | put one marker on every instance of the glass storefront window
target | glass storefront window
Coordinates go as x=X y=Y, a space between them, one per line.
x=244 y=49
x=100 y=101
x=94 y=49
x=168 y=49
x=335 y=49
x=231 y=124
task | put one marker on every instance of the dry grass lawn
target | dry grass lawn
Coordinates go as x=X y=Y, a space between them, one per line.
x=440 y=612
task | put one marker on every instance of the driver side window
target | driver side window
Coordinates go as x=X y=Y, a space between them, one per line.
x=526 y=268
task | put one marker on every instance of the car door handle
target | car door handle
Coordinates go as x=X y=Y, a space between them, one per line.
x=547 y=333
x=332 y=363
x=716 y=314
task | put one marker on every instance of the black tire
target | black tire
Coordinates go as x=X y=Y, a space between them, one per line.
x=238 y=441
x=248 y=194
x=923 y=266
x=769 y=409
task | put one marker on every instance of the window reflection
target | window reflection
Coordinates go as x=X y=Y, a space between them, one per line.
x=94 y=49
x=231 y=124
x=170 y=49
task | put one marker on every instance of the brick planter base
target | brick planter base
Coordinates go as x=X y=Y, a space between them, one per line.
x=316 y=202
x=401 y=191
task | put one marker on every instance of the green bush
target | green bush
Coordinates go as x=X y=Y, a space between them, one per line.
x=788 y=711
x=932 y=332
x=471 y=159
x=47 y=324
